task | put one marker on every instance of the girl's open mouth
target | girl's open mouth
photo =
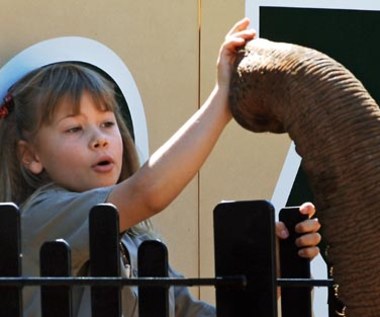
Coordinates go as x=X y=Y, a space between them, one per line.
x=103 y=166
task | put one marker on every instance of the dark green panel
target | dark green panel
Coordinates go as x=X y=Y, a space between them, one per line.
x=349 y=36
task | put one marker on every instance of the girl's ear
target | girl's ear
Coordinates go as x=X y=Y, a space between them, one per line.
x=29 y=158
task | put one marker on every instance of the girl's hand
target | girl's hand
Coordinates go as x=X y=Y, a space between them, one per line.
x=234 y=40
x=309 y=228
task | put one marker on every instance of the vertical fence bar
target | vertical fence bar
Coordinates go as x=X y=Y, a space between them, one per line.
x=295 y=301
x=244 y=245
x=10 y=260
x=105 y=259
x=153 y=262
x=55 y=260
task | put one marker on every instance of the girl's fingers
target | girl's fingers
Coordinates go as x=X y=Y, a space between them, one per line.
x=239 y=34
x=310 y=225
x=308 y=240
x=246 y=34
x=308 y=245
x=237 y=40
x=310 y=237
x=281 y=230
x=239 y=26
x=308 y=253
x=307 y=209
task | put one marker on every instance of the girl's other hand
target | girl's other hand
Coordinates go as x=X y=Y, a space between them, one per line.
x=310 y=237
x=235 y=39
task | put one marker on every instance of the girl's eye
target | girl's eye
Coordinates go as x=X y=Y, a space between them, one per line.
x=74 y=130
x=108 y=124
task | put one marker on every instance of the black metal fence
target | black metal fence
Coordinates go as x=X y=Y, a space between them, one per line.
x=245 y=268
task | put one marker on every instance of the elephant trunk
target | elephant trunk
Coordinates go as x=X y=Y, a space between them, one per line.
x=335 y=125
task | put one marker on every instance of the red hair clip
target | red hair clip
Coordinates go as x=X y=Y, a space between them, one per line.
x=6 y=106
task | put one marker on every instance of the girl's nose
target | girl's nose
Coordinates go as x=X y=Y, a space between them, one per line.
x=98 y=142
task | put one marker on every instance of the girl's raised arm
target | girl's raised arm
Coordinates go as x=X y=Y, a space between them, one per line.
x=173 y=165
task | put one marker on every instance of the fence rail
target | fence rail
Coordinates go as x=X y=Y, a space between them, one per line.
x=245 y=270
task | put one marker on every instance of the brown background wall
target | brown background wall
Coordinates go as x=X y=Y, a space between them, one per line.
x=170 y=47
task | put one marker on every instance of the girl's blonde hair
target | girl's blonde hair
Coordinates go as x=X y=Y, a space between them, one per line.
x=35 y=98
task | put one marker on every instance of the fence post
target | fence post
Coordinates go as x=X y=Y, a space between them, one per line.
x=105 y=259
x=153 y=262
x=295 y=301
x=10 y=261
x=245 y=245
x=55 y=260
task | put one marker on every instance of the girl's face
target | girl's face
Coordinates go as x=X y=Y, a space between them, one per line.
x=78 y=151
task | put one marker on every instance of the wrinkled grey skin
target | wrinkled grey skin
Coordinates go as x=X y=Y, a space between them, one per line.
x=335 y=125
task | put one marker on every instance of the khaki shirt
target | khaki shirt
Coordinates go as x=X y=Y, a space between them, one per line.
x=54 y=213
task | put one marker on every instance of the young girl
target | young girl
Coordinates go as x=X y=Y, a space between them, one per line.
x=66 y=148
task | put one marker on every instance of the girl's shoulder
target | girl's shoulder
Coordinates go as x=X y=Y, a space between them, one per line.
x=53 y=199
x=39 y=193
